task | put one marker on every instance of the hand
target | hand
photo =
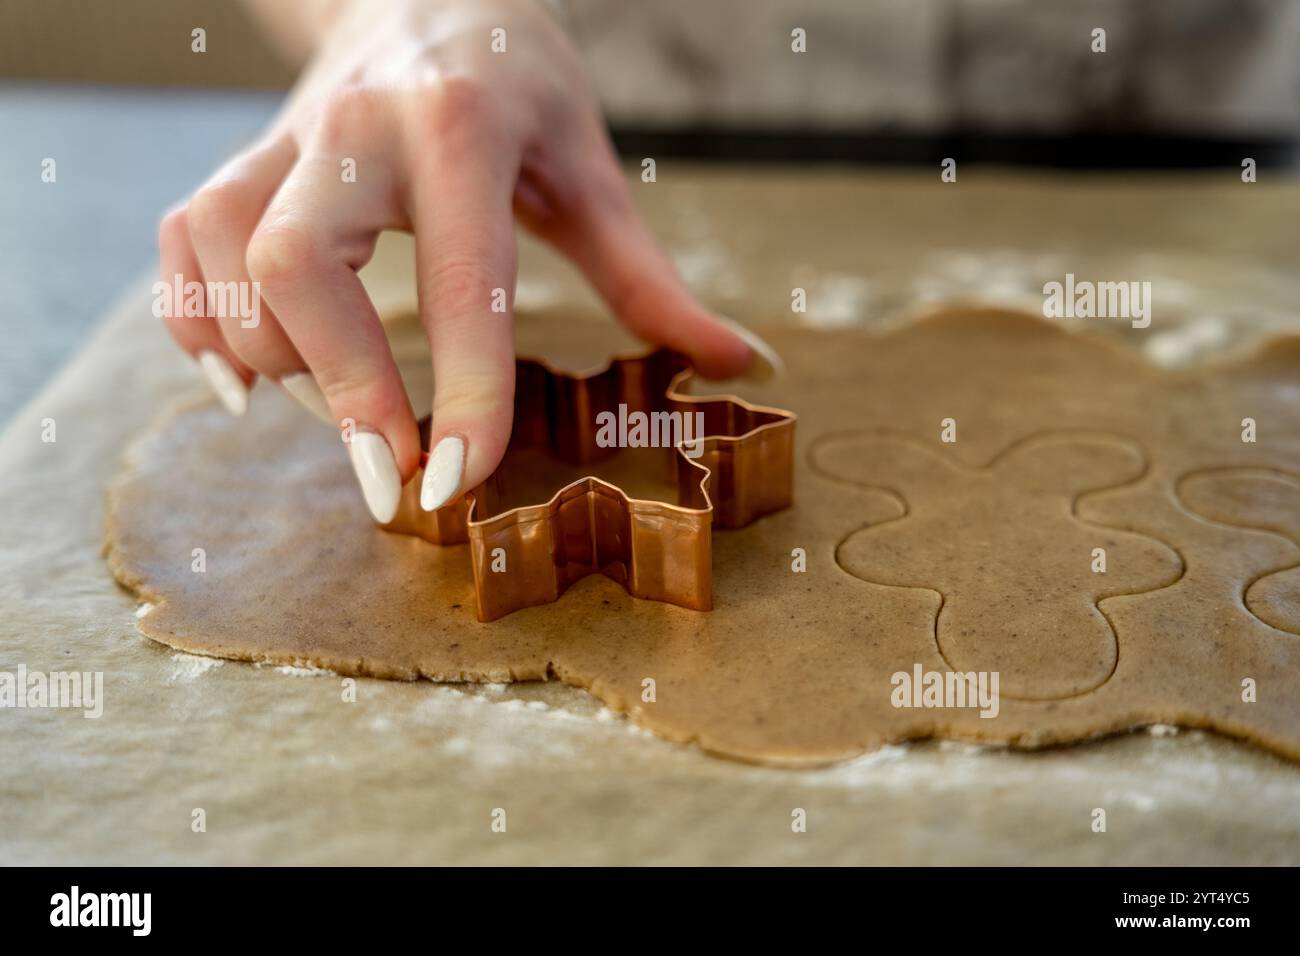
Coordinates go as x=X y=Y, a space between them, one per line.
x=451 y=141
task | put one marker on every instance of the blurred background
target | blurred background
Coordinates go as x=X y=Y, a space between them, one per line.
x=135 y=119
x=1224 y=67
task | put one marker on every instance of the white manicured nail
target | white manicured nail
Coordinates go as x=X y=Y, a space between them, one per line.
x=766 y=365
x=303 y=387
x=376 y=469
x=230 y=388
x=443 y=472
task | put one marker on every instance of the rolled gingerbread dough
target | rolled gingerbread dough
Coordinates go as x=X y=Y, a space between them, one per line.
x=1091 y=534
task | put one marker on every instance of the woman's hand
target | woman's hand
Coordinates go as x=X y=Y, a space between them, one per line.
x=449 y=140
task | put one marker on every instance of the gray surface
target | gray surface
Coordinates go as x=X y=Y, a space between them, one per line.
x=69 y=247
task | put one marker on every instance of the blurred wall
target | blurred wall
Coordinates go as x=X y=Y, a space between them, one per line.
x=1225 y=67
x=1214 y=67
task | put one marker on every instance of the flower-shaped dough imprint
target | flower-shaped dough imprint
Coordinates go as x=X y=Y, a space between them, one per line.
x=1018 y=573
x=1257 y=499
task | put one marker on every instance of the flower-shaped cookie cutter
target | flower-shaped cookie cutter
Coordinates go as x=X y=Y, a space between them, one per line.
x=657 y=550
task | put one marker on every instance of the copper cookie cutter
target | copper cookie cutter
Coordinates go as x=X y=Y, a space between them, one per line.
x=656 y=550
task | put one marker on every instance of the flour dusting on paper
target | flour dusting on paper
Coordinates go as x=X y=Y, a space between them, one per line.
x=297 y=669
x=191 y=667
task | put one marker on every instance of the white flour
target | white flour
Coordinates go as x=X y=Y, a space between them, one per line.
x=189 y=667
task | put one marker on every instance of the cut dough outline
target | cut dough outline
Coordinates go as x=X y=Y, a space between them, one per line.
x=963 y=467
x=1244 y=471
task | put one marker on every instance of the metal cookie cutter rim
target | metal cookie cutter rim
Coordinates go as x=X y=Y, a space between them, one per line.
x=657 y=550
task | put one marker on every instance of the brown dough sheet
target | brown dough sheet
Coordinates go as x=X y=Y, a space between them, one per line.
x=975 y=554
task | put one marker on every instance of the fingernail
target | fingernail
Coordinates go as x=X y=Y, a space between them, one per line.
x=766 y=364
x=230 y=388
x=443 y=472
x=303 y=387
x=381 y=484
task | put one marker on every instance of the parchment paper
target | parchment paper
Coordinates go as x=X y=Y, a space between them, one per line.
x=287 y=772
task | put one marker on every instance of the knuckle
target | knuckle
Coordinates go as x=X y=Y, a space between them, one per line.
x=251 y=349
x=262 y=348
x=454 y=106
x=280 y=253
x=219 y=210
x=473 y=396
x=367 y=396
x=350 y=115
x=173 y=227
x=462 y=283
